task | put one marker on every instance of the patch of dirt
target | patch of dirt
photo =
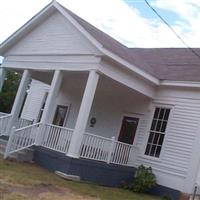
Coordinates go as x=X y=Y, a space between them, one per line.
x=37 y=189
x=41 y=192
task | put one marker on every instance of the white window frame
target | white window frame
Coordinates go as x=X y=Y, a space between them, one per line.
x=153 y=107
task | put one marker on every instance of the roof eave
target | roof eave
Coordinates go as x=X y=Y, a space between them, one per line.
x=188 y=84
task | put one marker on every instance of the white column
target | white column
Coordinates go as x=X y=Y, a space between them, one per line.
x=2 y=77
x=54 y=89
x=83 y=114
x=21 y=92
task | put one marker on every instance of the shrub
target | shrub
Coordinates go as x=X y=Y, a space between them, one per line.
x=165 y=197
x=144 y=179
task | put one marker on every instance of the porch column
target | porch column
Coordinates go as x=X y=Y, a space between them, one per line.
x=54 y=89
x=21 y=92
x=2 y=77
x=83 y=114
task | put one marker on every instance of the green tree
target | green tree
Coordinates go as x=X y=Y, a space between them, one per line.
x=7 y=95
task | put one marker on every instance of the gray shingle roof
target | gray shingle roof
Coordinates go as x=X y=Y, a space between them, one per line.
x=178 y=64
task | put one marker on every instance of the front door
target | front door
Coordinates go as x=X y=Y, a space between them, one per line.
x=59 y=119
x=60 y=115
x=128 y=129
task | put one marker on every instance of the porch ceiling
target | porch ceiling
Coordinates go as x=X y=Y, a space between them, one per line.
x=115 y=89
x=106 y=85
x=43 y=76
x=47 y=76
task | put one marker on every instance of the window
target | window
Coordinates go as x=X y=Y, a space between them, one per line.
x=157 y=132
x=42 y=107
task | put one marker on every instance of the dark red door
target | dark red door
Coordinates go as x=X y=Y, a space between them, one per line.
x=128 y=129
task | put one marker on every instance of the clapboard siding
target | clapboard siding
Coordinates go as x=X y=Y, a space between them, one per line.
x=34 y=100
x=55 y=35
x=179 y=141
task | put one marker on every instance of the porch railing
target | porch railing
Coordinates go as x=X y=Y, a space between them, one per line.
x=22 y=138
x=122 y=154
x=95 y=147
x=3 y=114
x=108 y=150
x=56 y=138
x=4 y=122
x=20 y=123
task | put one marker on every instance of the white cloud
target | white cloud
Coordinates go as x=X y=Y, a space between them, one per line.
x=185 y=8
x=187 y=25
x=115 y=17
x=123 y=22
x=13 y=14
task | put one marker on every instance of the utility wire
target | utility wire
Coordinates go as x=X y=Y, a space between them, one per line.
x=176 y=34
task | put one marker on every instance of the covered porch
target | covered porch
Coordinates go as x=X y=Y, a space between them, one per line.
x=86 y=115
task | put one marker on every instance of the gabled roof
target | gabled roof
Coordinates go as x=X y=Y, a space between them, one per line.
x=177 y=64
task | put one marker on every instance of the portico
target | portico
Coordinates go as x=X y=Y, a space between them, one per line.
x=87 y=95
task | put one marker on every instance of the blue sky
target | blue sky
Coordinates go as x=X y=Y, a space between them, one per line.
x=146 y=12
x=131 y=22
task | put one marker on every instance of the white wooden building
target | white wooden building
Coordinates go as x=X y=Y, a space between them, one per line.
x=102 y=101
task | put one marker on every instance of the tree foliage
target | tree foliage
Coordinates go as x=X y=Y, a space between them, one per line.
x=7 y=95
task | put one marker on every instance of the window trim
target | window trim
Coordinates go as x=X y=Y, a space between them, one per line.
x=148 y=129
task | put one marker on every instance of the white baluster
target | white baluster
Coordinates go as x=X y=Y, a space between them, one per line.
x=111 y=149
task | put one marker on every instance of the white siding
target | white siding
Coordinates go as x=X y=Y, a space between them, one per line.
x=173 y=168
x=34 y=100
x=55 y=35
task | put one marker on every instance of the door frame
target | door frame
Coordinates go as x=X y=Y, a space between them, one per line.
x=136 y=115
x=67 y=113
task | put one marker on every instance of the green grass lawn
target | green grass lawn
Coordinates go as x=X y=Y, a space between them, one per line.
x=20 y=181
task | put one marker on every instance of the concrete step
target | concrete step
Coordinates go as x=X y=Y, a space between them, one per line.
x=68 y=176
x=25 y=155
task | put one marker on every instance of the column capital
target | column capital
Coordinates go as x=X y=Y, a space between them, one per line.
x=97 y=71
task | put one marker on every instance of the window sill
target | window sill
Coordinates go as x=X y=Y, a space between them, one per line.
x=150 y=158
